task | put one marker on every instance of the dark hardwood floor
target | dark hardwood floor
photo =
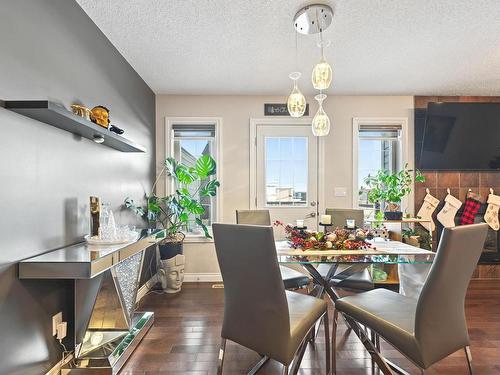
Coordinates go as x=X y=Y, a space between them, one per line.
x=186 y=334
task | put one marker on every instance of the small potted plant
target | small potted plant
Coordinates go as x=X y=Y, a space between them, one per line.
x=176 y=211
x=386 y=190
x=411 y=237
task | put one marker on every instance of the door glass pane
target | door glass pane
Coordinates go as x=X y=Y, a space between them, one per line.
x=286 y=171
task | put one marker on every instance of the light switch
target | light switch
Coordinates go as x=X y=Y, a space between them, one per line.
x=340 y=192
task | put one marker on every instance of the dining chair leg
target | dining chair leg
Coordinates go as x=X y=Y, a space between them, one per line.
x=258 y=365
x=372 y=338
x=328 y=353
x=220 y=361
x=334 y=341
x=285 y=370
x=298 y=358
x=468 y=355
x=379 y=360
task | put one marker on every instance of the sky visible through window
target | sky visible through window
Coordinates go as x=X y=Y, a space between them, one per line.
x=286 y=171
x=369 y=161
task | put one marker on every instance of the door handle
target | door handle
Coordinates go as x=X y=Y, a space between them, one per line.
x=312 y=214
x=313 y=203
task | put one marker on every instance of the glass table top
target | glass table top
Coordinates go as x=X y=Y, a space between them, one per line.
x=382 y=251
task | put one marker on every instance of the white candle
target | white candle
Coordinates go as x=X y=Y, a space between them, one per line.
x=326 y=219
x=351 y=223
x=299 y=223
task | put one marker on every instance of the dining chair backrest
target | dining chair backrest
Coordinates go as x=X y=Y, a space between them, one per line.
x=253 y=217
x=440 y=325
x=340 y=215
x=255 y=305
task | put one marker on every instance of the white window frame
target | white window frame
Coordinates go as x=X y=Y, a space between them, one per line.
x=169 y=152
x=288 y=121
x=356 y=123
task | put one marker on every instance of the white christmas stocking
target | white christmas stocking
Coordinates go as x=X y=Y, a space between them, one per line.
x=426 y=211
x=447 y=214
x=491 y=215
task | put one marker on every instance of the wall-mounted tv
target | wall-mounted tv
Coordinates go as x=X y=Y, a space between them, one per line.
x=459 y=136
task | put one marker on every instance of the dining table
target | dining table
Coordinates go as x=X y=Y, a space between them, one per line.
x=343 y=263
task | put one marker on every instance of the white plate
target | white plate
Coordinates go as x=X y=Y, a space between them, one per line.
x=94 y=241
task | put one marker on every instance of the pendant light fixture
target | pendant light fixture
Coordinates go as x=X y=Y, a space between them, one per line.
x=296 y=103
x=314 y=19
x=321 y=122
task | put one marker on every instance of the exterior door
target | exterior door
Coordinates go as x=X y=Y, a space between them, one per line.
x=287 y=173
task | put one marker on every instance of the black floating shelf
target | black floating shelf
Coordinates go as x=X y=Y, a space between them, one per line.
x=56 y=115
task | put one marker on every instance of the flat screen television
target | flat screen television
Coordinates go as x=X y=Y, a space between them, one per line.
x=460 y=136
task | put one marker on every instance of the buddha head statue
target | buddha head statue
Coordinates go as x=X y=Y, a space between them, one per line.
x=100 y=116
x=172 y=273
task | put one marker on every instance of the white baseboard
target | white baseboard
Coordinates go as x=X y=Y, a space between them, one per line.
x=202 y=277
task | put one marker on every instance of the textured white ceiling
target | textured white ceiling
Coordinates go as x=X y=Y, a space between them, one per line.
x=441 y=47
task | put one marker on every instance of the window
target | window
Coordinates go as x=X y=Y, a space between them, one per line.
x=286 y=171
x=189 y=141
x=379 y=146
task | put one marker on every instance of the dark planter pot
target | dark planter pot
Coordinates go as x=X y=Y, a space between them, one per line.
x=170 y=249
x=393 y=215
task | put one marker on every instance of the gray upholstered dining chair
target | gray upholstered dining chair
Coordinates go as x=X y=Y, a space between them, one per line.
x=291 y=278
x=361 y=280
x=340 y=216
x=434 y=326
x=258 y=312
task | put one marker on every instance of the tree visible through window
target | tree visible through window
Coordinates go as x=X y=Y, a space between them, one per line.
x=379 y=147
x=189 y=143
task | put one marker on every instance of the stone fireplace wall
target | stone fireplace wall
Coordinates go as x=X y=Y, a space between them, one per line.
x=458 y=182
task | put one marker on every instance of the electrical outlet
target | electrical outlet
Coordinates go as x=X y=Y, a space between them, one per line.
x=56 y=320
x=62 y=330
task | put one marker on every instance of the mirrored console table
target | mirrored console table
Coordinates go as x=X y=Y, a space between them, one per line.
x=107 y=327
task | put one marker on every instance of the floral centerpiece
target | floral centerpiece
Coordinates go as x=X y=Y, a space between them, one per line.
x=338 y=239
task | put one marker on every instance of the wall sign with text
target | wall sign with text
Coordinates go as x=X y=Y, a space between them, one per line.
x=280 y=109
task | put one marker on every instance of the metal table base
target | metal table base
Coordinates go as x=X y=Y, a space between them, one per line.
x=370 y=345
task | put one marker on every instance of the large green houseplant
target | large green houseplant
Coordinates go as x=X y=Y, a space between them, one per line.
x=176 y=211
x=386 y=190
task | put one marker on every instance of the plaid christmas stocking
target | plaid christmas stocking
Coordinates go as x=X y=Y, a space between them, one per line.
x=491 y=215
x=447 y=214
x=470 y=211
x=426 y=211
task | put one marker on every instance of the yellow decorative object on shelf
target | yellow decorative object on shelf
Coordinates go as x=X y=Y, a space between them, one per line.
x=81 y=110
x=100 y=116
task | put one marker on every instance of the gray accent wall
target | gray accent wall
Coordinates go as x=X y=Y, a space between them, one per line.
x=50 y=49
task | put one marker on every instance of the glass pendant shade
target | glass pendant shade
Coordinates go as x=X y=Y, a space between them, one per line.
x=320 y=122
x=296 y=102
x=322 y=73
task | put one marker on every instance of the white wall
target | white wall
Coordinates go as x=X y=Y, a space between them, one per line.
x=236 y=112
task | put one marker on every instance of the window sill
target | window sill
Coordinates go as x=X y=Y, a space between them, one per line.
x=198 y=239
